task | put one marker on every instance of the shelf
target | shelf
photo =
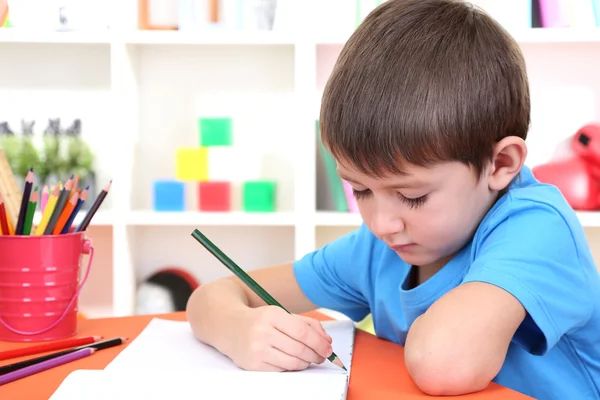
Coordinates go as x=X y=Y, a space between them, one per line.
x=589 y=219
x=190 y=218
x=207 y=38
x=218 y=37
x=558 y=35
x=332 y=218
x=14 y=35
x=534 y=35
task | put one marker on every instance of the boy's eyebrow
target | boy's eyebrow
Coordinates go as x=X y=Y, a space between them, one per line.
x=392 y=186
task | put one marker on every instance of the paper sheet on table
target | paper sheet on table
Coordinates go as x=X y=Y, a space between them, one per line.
x=166 y=361
x=193 y=385
x=167 y=345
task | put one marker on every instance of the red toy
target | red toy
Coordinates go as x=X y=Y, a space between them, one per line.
x=214 y=196
x=577 y=177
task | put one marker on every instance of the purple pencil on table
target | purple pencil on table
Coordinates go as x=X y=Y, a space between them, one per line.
x=34 y=369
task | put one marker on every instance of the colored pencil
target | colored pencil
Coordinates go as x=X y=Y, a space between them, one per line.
x=30 y=212
x=34 y=369
x=64 y=216
x=247 y=279
x=105 y=344
x=80 y=202
x=24 y=202
x=11 y=226
x=3 y=217
x=97 y=203
x=60 y=204
x=74 y=188
x=47 y=212
x=44 y=347
x=45 y=195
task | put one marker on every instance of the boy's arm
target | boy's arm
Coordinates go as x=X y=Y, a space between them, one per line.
x=528 y=285
x=458 y=346
x=214 y=308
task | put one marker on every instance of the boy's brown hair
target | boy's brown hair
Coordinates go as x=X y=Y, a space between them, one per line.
x=424 y=81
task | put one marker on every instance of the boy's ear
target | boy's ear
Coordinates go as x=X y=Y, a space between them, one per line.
x=509 y=157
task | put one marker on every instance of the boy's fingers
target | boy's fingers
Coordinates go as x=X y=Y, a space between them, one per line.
x=298 y=329
x=279 y=359
x=318 y=327
x=294 y=348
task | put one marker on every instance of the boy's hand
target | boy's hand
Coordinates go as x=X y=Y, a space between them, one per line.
x=270 y=339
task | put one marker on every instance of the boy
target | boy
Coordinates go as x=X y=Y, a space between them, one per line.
x=480 y=271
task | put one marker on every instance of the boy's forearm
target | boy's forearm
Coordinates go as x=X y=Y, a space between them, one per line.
x=435 y=371
x=459 y=344
x=211 y=311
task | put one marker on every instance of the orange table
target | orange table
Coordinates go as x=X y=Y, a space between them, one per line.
x=378 y=370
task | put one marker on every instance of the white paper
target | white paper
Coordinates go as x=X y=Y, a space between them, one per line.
x=191 y=385
x=166 y=345
x=166 y=361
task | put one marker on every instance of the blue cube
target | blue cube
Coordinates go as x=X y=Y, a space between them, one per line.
x=169 y=195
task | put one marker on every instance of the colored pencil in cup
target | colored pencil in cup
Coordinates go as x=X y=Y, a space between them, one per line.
x=45 y=195
x=3 y=217
x=95 y=206
x=24 y=202
x=60 y=205
x=54 y=362
x=74 y=188
x=30 y=212
x=47 y=212
x=80 y=202
x=105 y=344
x=45 y=347
x=11 y=226
x=247 y=279
x=66 y=212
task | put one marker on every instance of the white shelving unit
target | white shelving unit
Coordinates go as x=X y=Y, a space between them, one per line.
x=140 y=93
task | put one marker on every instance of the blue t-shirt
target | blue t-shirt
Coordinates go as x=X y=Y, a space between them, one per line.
x=531 y=244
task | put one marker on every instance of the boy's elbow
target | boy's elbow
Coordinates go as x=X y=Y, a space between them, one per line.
x=438 y=377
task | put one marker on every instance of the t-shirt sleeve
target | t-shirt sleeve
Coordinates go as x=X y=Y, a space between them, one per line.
x=336 y=276
x=532 y=254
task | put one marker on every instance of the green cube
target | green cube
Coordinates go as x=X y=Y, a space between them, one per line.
x=259 y=196
x=215 y=131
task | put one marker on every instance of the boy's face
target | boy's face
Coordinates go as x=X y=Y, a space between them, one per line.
x=425 y=215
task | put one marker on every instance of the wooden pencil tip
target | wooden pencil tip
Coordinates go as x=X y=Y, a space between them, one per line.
x=31 y=169
x=339 y=364
x=96 y=338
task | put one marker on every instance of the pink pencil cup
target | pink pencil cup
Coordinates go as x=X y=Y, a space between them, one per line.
x=40 y=285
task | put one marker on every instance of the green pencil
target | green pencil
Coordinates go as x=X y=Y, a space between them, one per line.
x=30 y=212
x=247 y=279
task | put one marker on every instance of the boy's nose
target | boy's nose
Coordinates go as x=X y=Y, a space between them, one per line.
x=385 y=224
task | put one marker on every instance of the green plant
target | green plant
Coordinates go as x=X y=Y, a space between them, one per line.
x=52 y=149
x=79 y=158
x=29 y=156
x=9 y=142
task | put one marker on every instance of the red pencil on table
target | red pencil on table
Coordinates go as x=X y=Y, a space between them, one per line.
x=42 y=348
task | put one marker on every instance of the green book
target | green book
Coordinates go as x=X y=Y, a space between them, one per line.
x=335 y=182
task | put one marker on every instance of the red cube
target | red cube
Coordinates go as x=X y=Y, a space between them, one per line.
x=214 y=196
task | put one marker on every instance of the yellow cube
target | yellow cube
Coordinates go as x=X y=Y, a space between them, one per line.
x=192 y=164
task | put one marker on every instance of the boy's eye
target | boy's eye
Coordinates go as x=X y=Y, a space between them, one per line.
x=359 y=194
x=413 y=202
